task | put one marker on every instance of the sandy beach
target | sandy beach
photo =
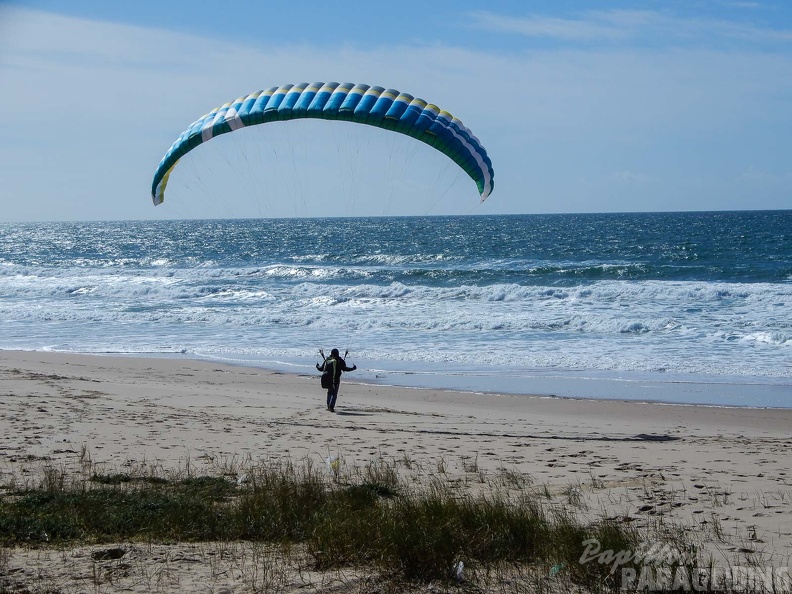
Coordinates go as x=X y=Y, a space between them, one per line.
x=723 y=474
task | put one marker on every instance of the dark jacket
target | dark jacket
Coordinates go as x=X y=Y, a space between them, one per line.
x=336 y=365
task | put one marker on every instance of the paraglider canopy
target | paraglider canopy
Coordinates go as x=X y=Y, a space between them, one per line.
x=388 y=109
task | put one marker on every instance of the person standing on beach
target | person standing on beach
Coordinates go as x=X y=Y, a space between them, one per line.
x=335 y=365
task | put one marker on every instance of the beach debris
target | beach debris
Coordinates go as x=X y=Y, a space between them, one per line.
x=333 y=465
x=108 y=554
x=556 y=568
x=243 y=479
x=459 y=569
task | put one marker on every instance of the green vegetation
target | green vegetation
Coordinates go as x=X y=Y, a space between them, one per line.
x=416 y=534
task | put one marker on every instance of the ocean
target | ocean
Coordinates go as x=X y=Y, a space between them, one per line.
x=691 y=308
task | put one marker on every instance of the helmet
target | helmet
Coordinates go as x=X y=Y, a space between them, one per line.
x=334 y=353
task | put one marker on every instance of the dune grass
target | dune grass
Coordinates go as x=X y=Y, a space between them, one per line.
x=414 y=533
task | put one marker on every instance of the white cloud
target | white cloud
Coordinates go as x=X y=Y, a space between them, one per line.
x=760 y=177
x=620 y=25
x=549 y=27
x=632 y=177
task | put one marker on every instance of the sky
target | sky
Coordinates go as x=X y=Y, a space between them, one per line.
x=583 y=106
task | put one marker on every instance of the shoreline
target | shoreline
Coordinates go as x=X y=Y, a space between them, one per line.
x=166 y=359
x=123 y=374
x=641 y=387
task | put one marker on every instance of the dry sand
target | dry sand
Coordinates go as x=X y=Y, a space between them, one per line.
x=723 y=474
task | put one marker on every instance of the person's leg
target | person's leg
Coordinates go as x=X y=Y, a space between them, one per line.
x=330 y=398
x=333 y=394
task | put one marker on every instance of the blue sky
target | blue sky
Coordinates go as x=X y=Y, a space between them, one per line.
x=583 y=106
